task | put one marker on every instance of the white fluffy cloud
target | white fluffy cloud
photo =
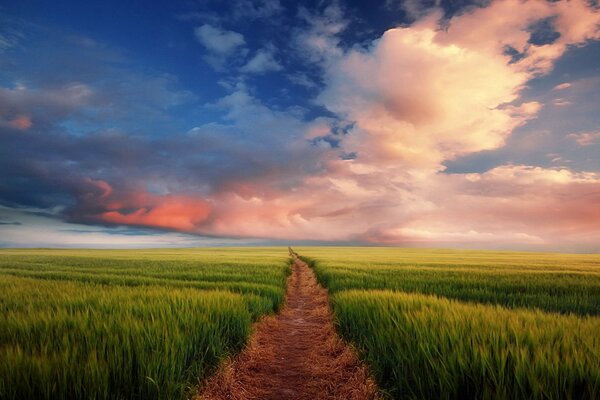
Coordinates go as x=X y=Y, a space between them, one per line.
x=421 y=95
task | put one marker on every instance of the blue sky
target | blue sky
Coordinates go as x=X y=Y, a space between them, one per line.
x=411 y=123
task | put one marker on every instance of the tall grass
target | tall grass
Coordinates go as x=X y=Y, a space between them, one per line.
x=534 y=337
x=425 y=347
x=127 y=325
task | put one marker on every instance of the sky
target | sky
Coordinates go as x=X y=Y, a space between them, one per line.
x=463 y=123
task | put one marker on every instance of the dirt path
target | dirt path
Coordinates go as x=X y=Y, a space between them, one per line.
x=295 y=354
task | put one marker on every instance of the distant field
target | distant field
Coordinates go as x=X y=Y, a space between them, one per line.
x=128 y=324
x=469 y=324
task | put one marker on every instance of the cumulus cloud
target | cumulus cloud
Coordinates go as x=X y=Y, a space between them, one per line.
x=418 y=102
x=421 y=95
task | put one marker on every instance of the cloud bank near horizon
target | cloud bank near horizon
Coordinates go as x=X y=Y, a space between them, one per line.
x=363 y=159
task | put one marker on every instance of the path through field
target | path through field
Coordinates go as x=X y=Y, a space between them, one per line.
x=295 y=354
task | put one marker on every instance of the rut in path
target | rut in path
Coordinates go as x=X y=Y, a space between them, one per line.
x=295 y=354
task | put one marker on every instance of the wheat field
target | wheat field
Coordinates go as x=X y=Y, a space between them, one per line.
x=128 y=324
x=449 y=324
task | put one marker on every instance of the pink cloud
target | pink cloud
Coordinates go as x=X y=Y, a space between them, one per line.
x=103 y=186
x=21 y=122
x=317 y=129
x=505 y=23
x=561 y=103
x=509 y=204
x=100 y=202
x=585 y=138
x=167 y=212
x=562 y=86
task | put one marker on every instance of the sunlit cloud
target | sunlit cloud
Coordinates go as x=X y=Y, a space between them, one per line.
x=562 y=86
x=585 y=138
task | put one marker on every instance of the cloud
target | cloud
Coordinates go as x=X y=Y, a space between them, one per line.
x=21 y=107
x=15 y=223
x=302 y=79
x=505 y=207
x=562 y=86
x=421 y=95
x=418 y=102
x=219 y=41
x=585 y=138
x=36 y=230
x=99 y=88
x=561 y=103
x=516 y=199
x=369 y=169
x=222 y=45
x=494 y=29
x=319 y=40
x=262 y=62
x=168 y=182
x=11 y=33
x=21 y=122
x=167 y=212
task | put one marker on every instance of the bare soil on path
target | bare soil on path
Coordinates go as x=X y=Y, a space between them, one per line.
x=294 y=355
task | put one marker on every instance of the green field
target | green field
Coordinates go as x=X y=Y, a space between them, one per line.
x=431 y=324
x=446 y=324
x=97 y=324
